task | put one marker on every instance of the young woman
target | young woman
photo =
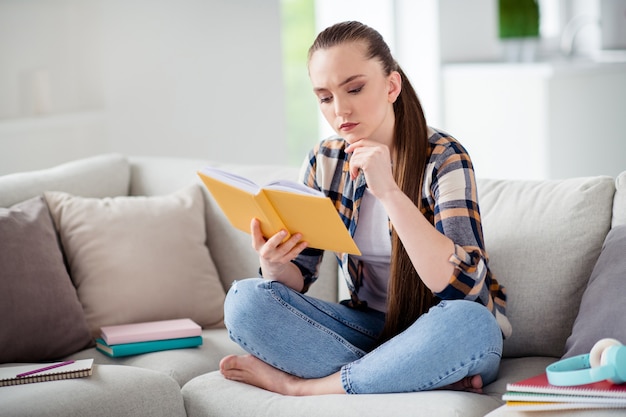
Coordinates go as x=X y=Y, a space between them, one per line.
x=425 y=312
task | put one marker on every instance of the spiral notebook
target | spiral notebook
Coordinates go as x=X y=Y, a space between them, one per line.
x=537 y=394
x=42 y=372
x=539 y=384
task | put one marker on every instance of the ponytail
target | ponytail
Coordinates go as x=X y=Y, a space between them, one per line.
x=408 y=298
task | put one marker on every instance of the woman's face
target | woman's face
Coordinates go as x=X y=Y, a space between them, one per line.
x=354 y=94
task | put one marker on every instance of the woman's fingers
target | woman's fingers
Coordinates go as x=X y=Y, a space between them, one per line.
x=276 y=249
x=279 y=250
x=372 y=159
x=257 y=236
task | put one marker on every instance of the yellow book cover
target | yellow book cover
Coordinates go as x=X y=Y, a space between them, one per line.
x=553 y=406
x=279 y=205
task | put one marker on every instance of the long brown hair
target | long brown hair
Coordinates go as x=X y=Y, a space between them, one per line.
x=408 y=297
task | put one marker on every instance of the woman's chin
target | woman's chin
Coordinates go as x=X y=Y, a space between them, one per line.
x=351 y=139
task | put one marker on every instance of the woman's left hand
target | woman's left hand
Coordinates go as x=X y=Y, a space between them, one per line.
x=374 y=160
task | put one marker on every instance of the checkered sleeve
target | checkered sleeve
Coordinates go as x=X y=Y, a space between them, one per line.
x=452 y=196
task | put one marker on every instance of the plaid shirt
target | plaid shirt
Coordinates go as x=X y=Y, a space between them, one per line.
x=450 y=203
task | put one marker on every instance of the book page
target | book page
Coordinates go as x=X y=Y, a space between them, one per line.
x=294 y=187
x=251 y=187
x=232 y=179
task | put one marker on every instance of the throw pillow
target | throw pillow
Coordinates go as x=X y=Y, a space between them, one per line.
x=135 y=259
x=602 y=309
x=42 y=318
x=543 y=239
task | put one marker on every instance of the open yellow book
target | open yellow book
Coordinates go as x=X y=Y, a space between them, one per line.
x=279 y=205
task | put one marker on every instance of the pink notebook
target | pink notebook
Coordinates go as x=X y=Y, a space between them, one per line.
x=539 y=384
x=154 y=330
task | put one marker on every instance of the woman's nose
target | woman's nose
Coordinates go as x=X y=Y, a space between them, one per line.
x=341 y=107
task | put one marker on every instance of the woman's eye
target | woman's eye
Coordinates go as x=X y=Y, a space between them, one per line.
x=355 y=90
x=325 y=99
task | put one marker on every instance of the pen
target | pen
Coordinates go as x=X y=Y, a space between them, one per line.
x=36 y=371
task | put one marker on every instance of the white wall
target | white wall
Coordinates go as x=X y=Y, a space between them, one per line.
x=202 y=78
x=469 y=30
x=419 y=52
x=197 y=78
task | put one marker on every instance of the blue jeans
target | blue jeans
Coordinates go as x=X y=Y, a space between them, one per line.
x=311 y=338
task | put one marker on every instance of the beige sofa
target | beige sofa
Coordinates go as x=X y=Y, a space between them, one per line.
x=544 y=239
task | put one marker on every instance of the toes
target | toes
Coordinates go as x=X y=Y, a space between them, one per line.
x=476 y=381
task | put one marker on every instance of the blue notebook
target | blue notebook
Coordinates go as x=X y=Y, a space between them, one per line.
x=128 y=349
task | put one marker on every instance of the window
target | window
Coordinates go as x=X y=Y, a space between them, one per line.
x=298 y=21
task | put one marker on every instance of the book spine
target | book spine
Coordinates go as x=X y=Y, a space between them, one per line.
x=272 y=223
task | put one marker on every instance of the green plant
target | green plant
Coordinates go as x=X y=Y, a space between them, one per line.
x=518 y=18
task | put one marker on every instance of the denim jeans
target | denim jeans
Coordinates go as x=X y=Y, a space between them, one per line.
x=312 y=338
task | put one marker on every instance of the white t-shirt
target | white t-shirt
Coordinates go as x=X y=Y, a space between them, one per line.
x=372 y=238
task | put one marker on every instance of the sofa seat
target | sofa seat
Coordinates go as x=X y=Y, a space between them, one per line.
x=210 y=394
x=112 y=390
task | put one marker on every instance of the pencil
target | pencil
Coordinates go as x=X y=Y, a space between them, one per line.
x=36 y=371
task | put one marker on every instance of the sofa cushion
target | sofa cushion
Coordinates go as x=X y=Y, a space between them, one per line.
x=42 y=318
x=136 y=259
x=212 y=395
x=111 y=391
x=543 y=239
x=602 y=309
x=619 y=202
x=153 y=175
x=99 y=176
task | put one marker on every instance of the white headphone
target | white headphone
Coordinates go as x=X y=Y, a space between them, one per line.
x=607 y=360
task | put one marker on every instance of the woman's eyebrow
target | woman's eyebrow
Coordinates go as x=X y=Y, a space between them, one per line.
x=351 y=78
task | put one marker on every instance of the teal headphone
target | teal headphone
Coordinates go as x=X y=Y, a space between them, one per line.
x=607 y=360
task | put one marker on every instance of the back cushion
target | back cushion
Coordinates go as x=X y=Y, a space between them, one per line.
x=619 y=203
x=99 y=176
x=543 y=239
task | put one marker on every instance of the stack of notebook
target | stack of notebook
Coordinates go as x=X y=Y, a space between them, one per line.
x=136 y=338
x=536 y=393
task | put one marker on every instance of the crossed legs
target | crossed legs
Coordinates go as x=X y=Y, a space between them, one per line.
x=303 y=346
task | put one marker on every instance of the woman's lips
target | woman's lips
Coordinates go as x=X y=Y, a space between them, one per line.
x=346 y=127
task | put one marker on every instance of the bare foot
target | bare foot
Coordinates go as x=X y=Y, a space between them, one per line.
x=472 y=383
x=253 y=371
